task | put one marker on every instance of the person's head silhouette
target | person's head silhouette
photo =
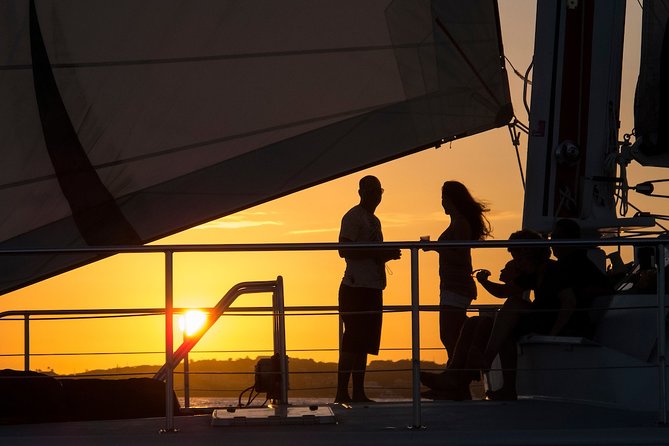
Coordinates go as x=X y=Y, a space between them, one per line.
x=565 y=229
x=370 y=192
x=456 y=200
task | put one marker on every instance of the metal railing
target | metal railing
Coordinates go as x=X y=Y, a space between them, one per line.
x=171 y=357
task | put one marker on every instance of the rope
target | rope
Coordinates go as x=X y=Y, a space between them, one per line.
x=525 y=84
x=515 y=140
x=640 y=211
x=524 y=77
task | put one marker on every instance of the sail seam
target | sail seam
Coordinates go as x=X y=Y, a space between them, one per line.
x=213 y=58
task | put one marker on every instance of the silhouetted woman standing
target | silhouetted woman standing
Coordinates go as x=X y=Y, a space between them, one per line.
x=457 y=288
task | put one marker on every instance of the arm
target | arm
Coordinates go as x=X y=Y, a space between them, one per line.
x=499 y=290
x=457 y=230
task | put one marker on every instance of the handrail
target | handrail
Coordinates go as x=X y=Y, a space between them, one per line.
x=333 y=246
x=215 y=313
x=415 y=247
x=161 y=311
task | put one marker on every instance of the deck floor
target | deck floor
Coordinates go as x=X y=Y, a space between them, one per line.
x=525 y=422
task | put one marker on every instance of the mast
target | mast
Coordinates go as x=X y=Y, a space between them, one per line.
x=574 y=115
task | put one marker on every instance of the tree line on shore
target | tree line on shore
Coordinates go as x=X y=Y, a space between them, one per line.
x=307 y=378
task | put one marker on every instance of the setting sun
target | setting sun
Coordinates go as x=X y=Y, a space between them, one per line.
x=192 y=321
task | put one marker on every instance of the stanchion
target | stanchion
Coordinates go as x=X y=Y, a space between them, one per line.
x=26 y=342
x=169 y=341
x=415 y=340
x=661 y=335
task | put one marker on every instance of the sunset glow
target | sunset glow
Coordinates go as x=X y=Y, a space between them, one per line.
x=192 y=321
x=411 y=208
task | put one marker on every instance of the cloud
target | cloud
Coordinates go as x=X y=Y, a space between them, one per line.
x=252 y=213
x=504 y=215
x=240 y=221
x=313 y=231
x=399 y=219
x=406 y=219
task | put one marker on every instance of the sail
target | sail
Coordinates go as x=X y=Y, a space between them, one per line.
x=651 y=102
x=123 y=122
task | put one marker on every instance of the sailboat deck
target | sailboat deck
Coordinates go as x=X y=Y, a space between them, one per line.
x=523 y=422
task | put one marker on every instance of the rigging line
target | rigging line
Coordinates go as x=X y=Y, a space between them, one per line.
x=515 y=140
x=657 y=196
x=527 y=74
x=520 y=125
x=640 y=234
x=639 y=210
x=219 y=57
x=518 y=73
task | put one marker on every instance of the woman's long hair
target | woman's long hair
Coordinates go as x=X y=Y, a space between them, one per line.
x=474 y=211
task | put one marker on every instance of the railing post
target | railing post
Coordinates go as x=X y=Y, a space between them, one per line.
x=26 y=342
x=186 y=374
x=415 y=339
x=280 y=338
x=661 y=335
x=169 y=341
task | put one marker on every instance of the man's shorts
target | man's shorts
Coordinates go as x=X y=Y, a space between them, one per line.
x=361 y=310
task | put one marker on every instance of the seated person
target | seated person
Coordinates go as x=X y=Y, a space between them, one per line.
x=507 y=289
x=475 y=332
x=584 y=278
x=560 y=289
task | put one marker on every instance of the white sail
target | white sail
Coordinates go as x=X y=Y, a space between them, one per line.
x=123 y=121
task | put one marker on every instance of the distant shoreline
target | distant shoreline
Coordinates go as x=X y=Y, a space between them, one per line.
x=226 y=379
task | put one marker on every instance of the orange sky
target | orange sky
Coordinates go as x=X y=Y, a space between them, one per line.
x=411 y=207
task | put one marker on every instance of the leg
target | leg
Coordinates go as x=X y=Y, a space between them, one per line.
x=344 y=369
x=454 y=382
x=503 y=329
x=369 y=340
x=451 y=321
x=361 y=312
x=359 y=368
x=474 y=362
x=509 y=358
x=345 y=366
x=466 y=341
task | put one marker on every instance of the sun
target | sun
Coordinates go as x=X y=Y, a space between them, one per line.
x=192 y=321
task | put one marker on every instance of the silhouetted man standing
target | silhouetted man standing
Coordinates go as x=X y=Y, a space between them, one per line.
x=361 y=290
